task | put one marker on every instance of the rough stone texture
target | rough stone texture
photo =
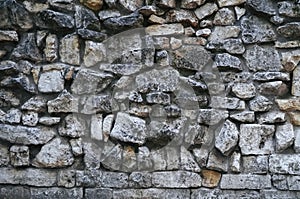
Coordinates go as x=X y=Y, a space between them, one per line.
x=227 y=61
x=206 y=10
x=223 y=3
x=181 y=16
x=19 y=155
x=94 y=53
x=284 y=164
x=260 y=104
x=244 y=90
x=217 y=161
x=51 y=81
x=64 y=103
x=52 y=19
x=296 y=85
x=221 y=33
x=57 y=153
x=30 y=118
x=245 y=181
x=4 y=155
x=245 y=116
x=69 y=49
x=271 y=117
x=56 y=192
x=72 y=126
x=165 y=29
x=224 y=17
x=118 y=24
x=297 y=140
x=265 y=8
x=210 y=178
x=289 y=30
x=255 y=164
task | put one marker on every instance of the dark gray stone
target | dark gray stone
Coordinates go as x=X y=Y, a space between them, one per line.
x=118 y=24
x=73 y=126
x=227 y=61
x=114 y=179
x=265 y=7
x=290 y=30
x=86 y=19
x=51 y=19
x=13 y=192
x=284 y=164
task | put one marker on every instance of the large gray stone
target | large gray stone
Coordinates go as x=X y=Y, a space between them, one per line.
x=55 y=192
x=69 y=49
x=230 y=103
x=284 y=164
x=245 y=181
x=289 y=9
x=86 y=19
x=266 y=7
x=57 y=153
x=227 y=61
x=94 y=53
x=256 y=139
x=260 y=104
x=114 y=179
x=245 y=116
x=26 y=135
x=211 y=116
x=216 y=161
x=221 y=33
x=165 y=29
x=255 y=164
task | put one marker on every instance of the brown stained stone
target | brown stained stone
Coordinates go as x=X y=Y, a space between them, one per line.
x=288 y=104
x=210 y=178
x=95 y=5
x=294 y=118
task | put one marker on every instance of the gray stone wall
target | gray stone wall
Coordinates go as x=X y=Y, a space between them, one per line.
x=149 y=99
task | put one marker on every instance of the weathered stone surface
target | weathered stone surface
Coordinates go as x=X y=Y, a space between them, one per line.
x=273 y=194
x=182 y=16
x=51 y=48
x=284 y=164
x=284 y=136
x=122 y=23
x=255 y=164
x=277 y=88
x=295 y=83
x=205 y=32
x=256 y=139
x=287 y=44
x=96 y=127
x=280 y=182
x=91 y=35
x=191 y=4
x=27 y=49
x=216 y=161
x=153 y=19
x=271 y=117
x=51 y=81
x=96 y=103
x=256 y=30
x=97 y=81
x=11 y=192
x=187 y=161
x=13 y=116
x=55 y=192
x=66 y=178
x=21 y=81
x=221 y=33
x=244 y=90
x=51 y=19
x=30 y=118
x=165 y=29
x=290 y=59
x=288 y=9
x=64 y=103
x=204 y=193
x=245 y=181
x=260 y=104
x=19 y=155
x=29 y=176
x=227 y=103
x=8 y=67
x=69 y=49
x=289 y=30
x=57 y=153
x=206 y=10
x=14 y=16
x=176 y=179
x=224 y=17
x=34 y=7
x=227 y=61
x=88 y=178
x=92 y=193
x=94 y=53
x=266 y=7
x=25 y=135
x=245 y=116
x=4 y=155
x=129 y=160
x=76 y=146
x=86 y=19
x=144 y=160
x=95 y=5
x=8 y=35
x=211 y=116
x=227 y=138
x=140 y=179
x=131 y=5
x=225 y=3
x=294 y=118
x=293 y=182
x=210 y=178
x=72 y=126
x=235 y=162
x=166 y=3
x=158 y=98
x=201 y=155
x=268 y=76
x=114 y=179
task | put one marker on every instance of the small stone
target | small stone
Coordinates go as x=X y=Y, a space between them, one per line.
x=27 y=49
x=4 y=155
x=288 y=9
x=94 y=53
x=166 y=3
x=260 y=104
x=49 y=121
x=287 y=44
x=129 y=129
x=86 y=19
x=293 y=182
x=51 y=48
x=295 y=83
x=95 y=5
x=294 y=118
x=245 y=116
x=165 y=29
x=114 y=179
x=69 y=49
x=140 y=179
x=19 y=155
x=284 y=137
x=8 y=67
x=105 y=14
x=122 y=23
x=235 y=162
x=227 y=138
x=8 y=35
x=62 y=5
x=277 y=88
x=51 y=19
x=13 y=116
x=21 y=81
x=221 y=33
x=176 y=179
x=227 y=103
x=51 y=81
x=88 y=178
x=107 y=126
x=297 y=140
x=195 y=41
x=271 y=117
x=244 y=90
x=227 y=61
x=245 y=181
x=56 y=192
x=98 y=81
x=262 y=7
x=256 y=139
x=30 y=118
x=144 y=160
x=35 y=7
x=26 y=135
x=217 y=161
x=211 y=178
x=256 y=30
x=211 y=116
x=96 y=127
x=129 y=160
x=182 y=16
x=268 y=76
x=205 y=32
x=8 y=98
x=239 y=12
x=91 y=35
x=284 y=164
x=225 y=3
x=290 y=59
x=96 y=104
x=64 y=103
x=255 y=164
x=289 y=30
x=277 y=20
x=175 y=43
x=206 y=10
x=66 y=178
x=201 y=156
x=57 y=153
x=187 y=161
x=121 y=69
x=158 y=98
x=76 y=146
x=72 y=126
x=156 y=20
x=191 y=4
x=224 y=17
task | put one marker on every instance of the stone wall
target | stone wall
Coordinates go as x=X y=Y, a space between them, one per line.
x=149 y=99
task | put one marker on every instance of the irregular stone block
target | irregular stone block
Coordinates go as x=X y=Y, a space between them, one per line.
x=51 y=48
x=288 y=9
x=225 y=3
x=277 y=88
x=206 y=10
x=140 y=179
x=69 y=49
x=129 y=159
x=4 y=155
x=268 y=76
x=294 y=118
x=274 y=194
x=289 y=30
x=122 y=23
x=244 y=90
x=19 y=155
x=227 y=61
x=94 y=53
x=30 y=118
x=98 y=193
x=245 y=116
x=295 y=83
x=211 y=116
x=182 y=16
x=265 y=7
x=64 y=103
x=294 y=183
x=57 y=20
x=8 y=35
x=224 y=17
x=76 y=146
x=191 y=4
x=235 y=162
x=227 y=103
x=95 y=5
x=73 y=126
x=216 y=161
x=211 y=178
x=284 y=137
x=271 y=117
x=280 y=182
x=221 y=33
x=88 y=178
x=204 y=193
x=66 y=178
x=13 y=116
x=245 y=181
x=187 y=161
x=51 y=81
x=297 y=140
x=290 y=59
x=255 y=164
x=55 y=192
x=114 y=180
x=284 y=164
x=11 y=192
x=260 y=104
x=166 y=3
x=165 y=29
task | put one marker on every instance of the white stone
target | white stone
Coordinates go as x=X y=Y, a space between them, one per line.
x=284 y=136
x=96 y=127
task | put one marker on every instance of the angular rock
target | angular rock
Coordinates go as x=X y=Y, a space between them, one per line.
x=13 y=116
x=255 y=164
x=94 y=53
x=293 y=182
x=268 y=76
x=51 y=48
x=182 y=16
x=206 y=10
x=290 y=59
x=176 y=179
x=211 y=178
x=294 y=118
x=211 y=116
x=191 y=4
x=225 y=3
x=187 y=161
x=48 y=121
x=260 y=104
x=19 y=155
x=271 y=117
x=111 y=157
x=289 y=30
x=232 y=46
x=27 y=49
x=76 y=146
x=64 y=103
x=144 y=161
x=221 y=33
x=98 y=81
x=129 y=129
x=86 y=19
x=121 y=69
x=227 y=103
x=56 y=192
x=148 y=10
x=256 y=30
x=284 y=137
x=201 y=156
x=35 y=7
x=287 y=44
x=118 y=24
x=277 y=88
x=21 y=81
x=69 y=49
x=72 y=126
x=256 y=139
x=129 y=160
x=62 y=5
x=235 y=162
x=8 y=35
x=166 y=3
x=4 y=155
x=289 y=9
x=51 y=19
x=55 y=154
x=244 y=90
x=96 y=104
x=165 y=29
x=245 y=181
x=14 y=192
x=8 y=67
x=227 y=61
x=216 y=161
x=245 y=116
x=227 y=138
x=51 y=81
x=295 y=83
x=224 y=17
x=66 y=178
x=91 y=35
x=95 y=5
x=30 y=118
x=265 y=7
x=284 y=164
x=153 y=19
x=131 y=5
